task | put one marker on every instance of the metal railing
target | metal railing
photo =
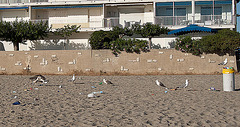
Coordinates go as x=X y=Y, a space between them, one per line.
x=111 y=22
x=161 y=20
x=21 y=1
x=39 y=20
x=182 y=20
x=37 y=1
x=215 y=20
x=171 y=20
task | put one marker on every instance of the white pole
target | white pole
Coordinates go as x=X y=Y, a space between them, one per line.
x=103 y=15
x=213 y=11
x=173 y=13
x=30 y=12
x=193 y=11
x=154 y=12
x=233 y=12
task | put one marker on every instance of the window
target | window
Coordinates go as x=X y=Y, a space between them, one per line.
x=169 y=12
x=209 y=11
x=206 y=11
x=218 y=11
x=180 y=11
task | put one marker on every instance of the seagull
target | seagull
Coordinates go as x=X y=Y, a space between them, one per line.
x=38 y=78
x=91 y=95
x=73 y=78
x=107 y=81
x=224 y=62
x=184 y=85
x=160 y=83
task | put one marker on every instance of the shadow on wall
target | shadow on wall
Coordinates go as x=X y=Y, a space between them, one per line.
x=2 y=47
x=56 y=44
x=158 y=46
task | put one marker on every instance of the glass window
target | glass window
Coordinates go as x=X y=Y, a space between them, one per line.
x=218 y=11
x=164 y=11
x=169 y=12
x=209 y=11
x=180 y=11
x=206 y=11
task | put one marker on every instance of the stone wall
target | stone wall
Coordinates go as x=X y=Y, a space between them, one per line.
x=163 y=61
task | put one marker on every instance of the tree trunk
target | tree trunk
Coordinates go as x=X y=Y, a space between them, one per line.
x=16 y=46
x=67 y=47
x=150 y=43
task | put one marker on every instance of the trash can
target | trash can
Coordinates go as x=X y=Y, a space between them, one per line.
x=228 y=79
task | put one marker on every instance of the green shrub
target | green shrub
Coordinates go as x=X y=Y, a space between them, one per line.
x=128 y=45
x=100 y=40
x=188 y=45
x=225 y=41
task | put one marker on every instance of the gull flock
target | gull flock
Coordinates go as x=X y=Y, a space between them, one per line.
x=42 y=79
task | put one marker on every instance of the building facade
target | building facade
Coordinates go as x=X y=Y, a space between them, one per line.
x=95 y=15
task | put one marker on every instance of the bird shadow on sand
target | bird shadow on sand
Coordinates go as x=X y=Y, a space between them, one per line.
x=237 y=90
x=78 y=83
x=50 y=85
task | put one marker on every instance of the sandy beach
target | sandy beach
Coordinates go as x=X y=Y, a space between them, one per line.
x=129 y=101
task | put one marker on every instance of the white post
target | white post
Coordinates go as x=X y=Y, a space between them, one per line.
x=233 y=12
x=154 y=12
x=173 y=13
x=30 y=12
x=103 y=16
x=193 y=11
x=213 y=10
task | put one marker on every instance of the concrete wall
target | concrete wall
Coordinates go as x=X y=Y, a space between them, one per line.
x=164 y=61
x=11 y=15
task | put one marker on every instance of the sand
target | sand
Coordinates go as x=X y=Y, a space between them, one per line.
x=129 y=101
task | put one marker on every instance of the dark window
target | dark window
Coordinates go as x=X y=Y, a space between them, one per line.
x=209 y=11
x=180 y=11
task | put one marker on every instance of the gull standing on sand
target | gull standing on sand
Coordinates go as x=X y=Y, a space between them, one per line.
x=184 y=85
x=38 y=78
x=73 y=78
x=160 y=83
x=107 y=81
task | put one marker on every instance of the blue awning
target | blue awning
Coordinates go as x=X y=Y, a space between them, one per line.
x=5 y=8
x=191 y=28
x=204 y=3
x=164 y=4
x=182 y=3
x=222 y=2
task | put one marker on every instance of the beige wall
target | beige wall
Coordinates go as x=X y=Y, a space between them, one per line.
x=10 y=15
x=164 y=61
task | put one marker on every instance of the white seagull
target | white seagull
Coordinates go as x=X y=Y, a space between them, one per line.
x=224 y=62
x=160 y=83
x=107 y=81
x=73 y=78
x=184 y=85
x=38 y=78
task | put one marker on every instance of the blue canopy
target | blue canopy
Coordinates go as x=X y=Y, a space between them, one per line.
x=191 y=28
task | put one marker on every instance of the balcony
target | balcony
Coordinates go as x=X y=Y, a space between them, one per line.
x=111 y=22
x=171 y=20
x=204 y=20
x=209 y=20
x=91 y=25
x=39 y=20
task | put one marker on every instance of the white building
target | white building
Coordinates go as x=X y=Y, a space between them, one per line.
x=95 y=15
